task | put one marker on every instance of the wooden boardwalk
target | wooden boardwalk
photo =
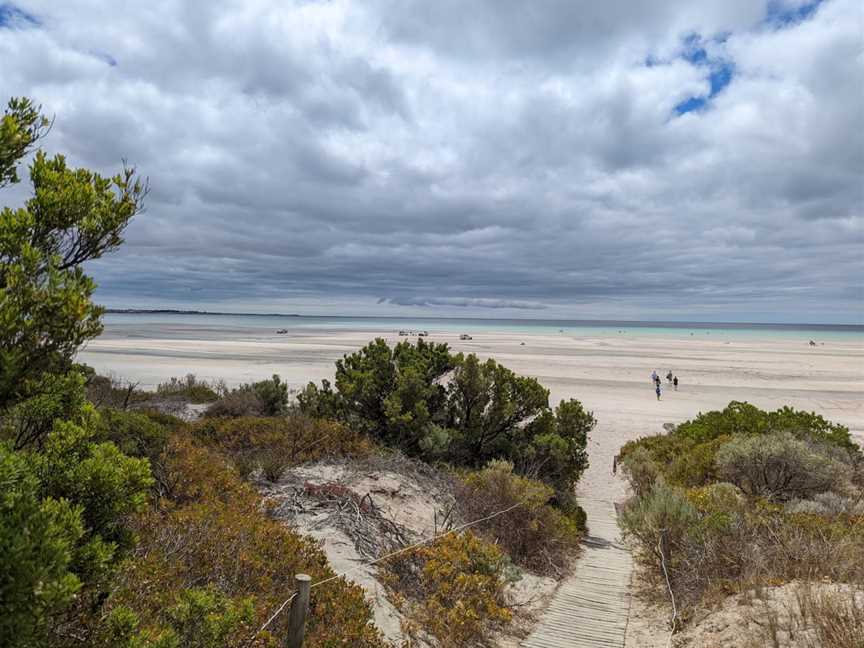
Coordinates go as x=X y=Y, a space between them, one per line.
x=590 y=609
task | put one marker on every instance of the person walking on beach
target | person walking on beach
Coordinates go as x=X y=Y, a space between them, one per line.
x=675 y=382
x=654 y=376
x=657 y=390
x=669 y=376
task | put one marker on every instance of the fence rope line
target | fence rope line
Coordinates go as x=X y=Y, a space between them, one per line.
x=674 y=618
x=402 y=550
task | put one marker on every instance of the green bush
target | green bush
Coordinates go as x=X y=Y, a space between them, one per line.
x=778 y=466
x=135 y=434
x=189 y=388
x=664 y=511
x=429 y=403
x=201 y=618
x=37 y=540
x=452 y=590
x=641 y=470
x=534 y=534
x=263 y=398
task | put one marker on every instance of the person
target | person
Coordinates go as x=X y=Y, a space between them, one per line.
x=657 y=381
x=669 y=376
x=657 y=390
x=654 y=376
x=675 y=382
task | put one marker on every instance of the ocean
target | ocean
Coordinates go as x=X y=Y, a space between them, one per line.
x=215 y=326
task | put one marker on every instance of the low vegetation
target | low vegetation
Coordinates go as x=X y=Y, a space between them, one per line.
x=262 y=398
x=452 y=590
x=435 y=405
x=536 y=535
x=744 y=498
x=190 y=388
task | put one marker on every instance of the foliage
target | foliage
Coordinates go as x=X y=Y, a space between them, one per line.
x=202 y=618
x=50 y=398
x=262 y=398
x=452 y=590
x=251 y=442
x=722 y=537
x=191 y=388
x=778 y=466
x=534 y=534
x=235 y=404
x=21 y=127
x=744 y=418
x=46 y=311
x=688 y=455
x=134 y=433
x=435 y=405
x=37 y=537
x=211 y=533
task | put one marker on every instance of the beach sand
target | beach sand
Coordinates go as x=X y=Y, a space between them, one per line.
x=610 y=375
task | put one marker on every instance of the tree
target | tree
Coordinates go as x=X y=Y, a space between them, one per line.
x=74 y=216
x=489 y=409
x=65 y=497
x=394 y=393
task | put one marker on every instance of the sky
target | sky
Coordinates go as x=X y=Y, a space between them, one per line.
x=671 y=159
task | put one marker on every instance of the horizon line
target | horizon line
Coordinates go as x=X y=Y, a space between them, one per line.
x=184 y=311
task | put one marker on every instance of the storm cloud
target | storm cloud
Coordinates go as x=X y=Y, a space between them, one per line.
x=657 y=160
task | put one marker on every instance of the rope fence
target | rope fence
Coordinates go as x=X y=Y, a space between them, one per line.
x=392 y=554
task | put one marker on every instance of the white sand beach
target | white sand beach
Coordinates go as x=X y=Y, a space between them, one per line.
x=609 y=374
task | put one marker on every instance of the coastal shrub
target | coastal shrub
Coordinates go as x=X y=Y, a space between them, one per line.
x=292 y=439
x=793 y=500
x=52 y=397
x=201 y=618
x=743 y=418
x=778 y=466
x=641 y=470
x=135 y=434
x=262 y=398
x=38 y=537
x=211 y=545
x=236 y=404
x=431 y=404
x=111 y=391
x=272 y=393
x=664 y=512
x=534 y=534
x=452 y=590
x=190 y=388
x=687 y=456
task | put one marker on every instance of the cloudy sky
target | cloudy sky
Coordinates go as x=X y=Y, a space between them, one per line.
x=663 y=159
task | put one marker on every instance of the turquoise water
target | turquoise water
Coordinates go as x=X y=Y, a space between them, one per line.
x=130 y=324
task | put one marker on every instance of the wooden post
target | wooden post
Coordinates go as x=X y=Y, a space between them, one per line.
x=299 y=607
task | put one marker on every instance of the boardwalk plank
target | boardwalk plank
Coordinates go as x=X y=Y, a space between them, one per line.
x=590 y=609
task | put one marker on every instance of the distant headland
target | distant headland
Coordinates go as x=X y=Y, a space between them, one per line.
x=173 y=311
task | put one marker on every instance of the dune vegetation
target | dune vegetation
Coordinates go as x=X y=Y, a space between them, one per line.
x=742 y=499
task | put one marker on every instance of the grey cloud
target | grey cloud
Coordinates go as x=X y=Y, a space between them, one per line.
x=497 y=155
